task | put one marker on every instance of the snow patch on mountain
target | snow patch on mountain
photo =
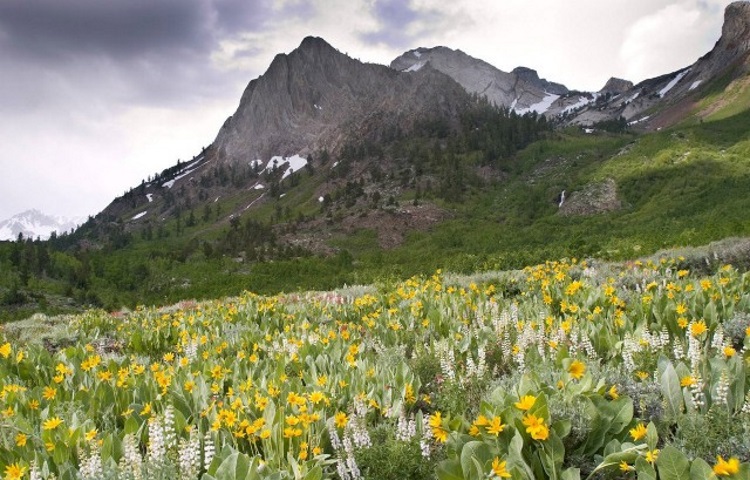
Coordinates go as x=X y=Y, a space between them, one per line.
x=415 y=67
x=293 y=164
x=541 y=106
x=674 y=82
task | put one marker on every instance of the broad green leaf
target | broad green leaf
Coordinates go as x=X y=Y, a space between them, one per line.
x=474 y=450
x=316 y=473
x=449 y=470
x=671 y=390
x=644 y=469
x=700 y=470
x=672 y=464
x=623 y=414
x=571 y=474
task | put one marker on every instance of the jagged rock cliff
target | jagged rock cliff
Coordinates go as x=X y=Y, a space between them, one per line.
x=316 y=97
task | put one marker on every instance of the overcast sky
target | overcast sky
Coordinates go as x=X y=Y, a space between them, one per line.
x=95 y=95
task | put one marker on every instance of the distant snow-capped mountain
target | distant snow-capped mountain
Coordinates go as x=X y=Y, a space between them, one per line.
x=35 y=224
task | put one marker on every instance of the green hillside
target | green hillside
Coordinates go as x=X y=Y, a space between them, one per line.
x=499 y=209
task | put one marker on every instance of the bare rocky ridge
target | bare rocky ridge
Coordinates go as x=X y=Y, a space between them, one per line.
x=316 y=97
x=664 y=100
x=521 y=90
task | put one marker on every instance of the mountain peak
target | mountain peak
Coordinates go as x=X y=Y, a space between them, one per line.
x=735 y=34
x=314 y=43
x=616 y=85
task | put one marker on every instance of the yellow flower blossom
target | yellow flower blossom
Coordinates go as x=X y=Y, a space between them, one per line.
x=14 y=471
x=51 y=423
x=49 y=393
x=726 y=467
x=526 y=402
x=498 y=468
x=495 y=426
x=340 y=420
x=577 y=369
x=535 y=427
x=638 y=432
x=687 y=381
x=698 y=328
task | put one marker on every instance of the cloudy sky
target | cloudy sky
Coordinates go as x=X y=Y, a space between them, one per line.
x=96 y=95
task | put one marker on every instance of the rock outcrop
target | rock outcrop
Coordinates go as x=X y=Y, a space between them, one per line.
x=593 y=198
x=616 y=86
x=521 y=90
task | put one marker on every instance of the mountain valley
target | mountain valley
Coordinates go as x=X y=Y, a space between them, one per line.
x=333 y=172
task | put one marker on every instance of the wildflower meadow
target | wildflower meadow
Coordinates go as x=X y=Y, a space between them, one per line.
x=566 y=370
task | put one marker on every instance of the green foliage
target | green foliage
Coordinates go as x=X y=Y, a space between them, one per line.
x=392 y=459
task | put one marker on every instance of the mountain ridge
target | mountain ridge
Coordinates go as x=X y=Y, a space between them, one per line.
x=35 y=224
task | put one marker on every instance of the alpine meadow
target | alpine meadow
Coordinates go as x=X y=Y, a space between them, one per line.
x=433 y=269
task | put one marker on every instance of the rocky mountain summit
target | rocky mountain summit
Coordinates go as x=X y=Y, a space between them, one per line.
x=521 y=90
x=316 y=97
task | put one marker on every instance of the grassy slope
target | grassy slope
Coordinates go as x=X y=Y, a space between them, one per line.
x=685 y=186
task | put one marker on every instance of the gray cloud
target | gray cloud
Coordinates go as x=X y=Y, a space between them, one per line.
x=400 y=23
x=97 y=94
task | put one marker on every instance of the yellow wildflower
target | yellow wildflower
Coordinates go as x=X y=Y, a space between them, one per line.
x=726 y=467
x=687 y=381
x=577 y=369
x=51 y=423
x=495 y=426
x=340 y=419
x=638 y=432
x=535 y=427
x=526 y=402
x=698 y=328
x=498 y=468
x=14 y=471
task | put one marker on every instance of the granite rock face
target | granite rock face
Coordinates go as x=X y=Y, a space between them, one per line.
x=317 y=97
x=616 y=86
x=521 y=90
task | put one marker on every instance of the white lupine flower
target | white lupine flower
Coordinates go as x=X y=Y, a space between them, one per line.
x=156 y=448
x=170 y=436
x=34 y=473
x=131 y=461
x=664 y=337
x=209 y=450
x=189 y=456
x=694 y=350
x=746 y=406
x=717 y=341
x=679 y=353
x=191 y=350
x=722 y=389
x=91 y=465
x=696 y=391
